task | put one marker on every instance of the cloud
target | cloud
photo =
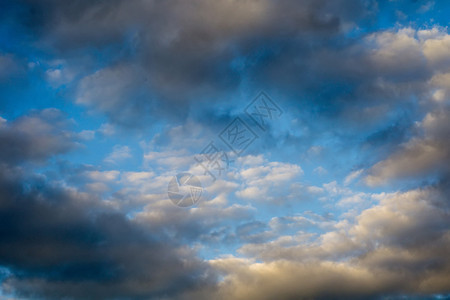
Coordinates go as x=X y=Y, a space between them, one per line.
x=425 y=151
x=359 y=101
x=352 y=176
x=107 y=129
x=118 y=154
x=423 y=155
x=36 y=137
x=436 y=47
x=206 y=50
x=296 y=280
x=10 y=67
x=118 y=91
x=266 y=181
x=57 y=242
x=398 y=246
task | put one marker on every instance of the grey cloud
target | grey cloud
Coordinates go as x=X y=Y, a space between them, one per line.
x=170 y=59
x=427 y=153
x=209 y=224
x=59 y=243
x=188 y=24
x=119 y=91
x=9 y=67
x=35 y=137
x=181 y=53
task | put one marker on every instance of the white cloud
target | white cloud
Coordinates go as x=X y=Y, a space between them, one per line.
x=87 y=135
x=118 y=154
x=320 y=170
x=352 y=176
x=107 y=129
x=103 y=175
x=265 y=182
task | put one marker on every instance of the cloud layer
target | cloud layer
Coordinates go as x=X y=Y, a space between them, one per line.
x=345 y=196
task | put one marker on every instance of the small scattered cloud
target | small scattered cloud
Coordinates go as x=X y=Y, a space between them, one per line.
x=119 y=154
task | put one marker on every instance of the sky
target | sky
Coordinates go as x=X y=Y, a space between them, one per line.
x=230 y=150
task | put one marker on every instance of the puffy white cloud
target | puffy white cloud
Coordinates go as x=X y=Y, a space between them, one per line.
x=266 y=180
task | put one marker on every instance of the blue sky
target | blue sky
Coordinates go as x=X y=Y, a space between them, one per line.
x=342 y=194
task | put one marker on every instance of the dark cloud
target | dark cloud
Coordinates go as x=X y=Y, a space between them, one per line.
x=180 y=53
x=59 y=243
x=161 y=59
x=35 y=137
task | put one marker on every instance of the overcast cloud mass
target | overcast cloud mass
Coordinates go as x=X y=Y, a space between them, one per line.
x=341 y=191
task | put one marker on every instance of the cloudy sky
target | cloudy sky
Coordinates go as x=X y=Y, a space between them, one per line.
x=319 y=131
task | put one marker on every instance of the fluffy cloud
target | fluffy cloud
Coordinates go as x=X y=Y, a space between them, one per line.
x=266 y=181
x=398 y=246
x=358 y=101
x=426 y=154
